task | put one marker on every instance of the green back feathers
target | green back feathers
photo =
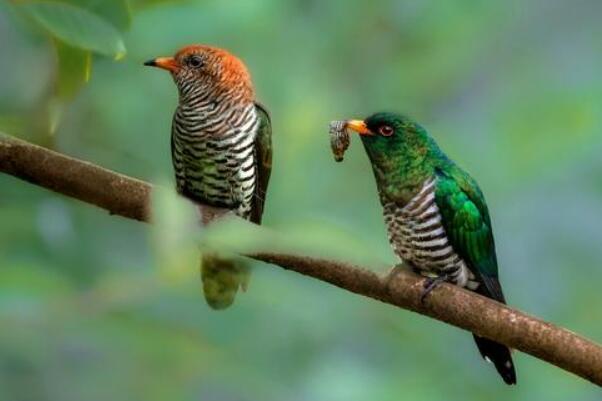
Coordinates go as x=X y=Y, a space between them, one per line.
x=466 y=221
x=263 y=157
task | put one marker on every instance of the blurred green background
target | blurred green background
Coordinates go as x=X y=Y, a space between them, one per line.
x=94 y=307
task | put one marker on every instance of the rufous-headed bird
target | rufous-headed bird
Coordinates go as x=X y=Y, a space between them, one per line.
x=221 y=148
x=436 y=216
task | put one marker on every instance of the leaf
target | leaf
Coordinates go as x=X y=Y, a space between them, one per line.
x=73 y=71
x=74 y=66
x=116 y=12
x=140 y=4
x=77 y=27
x=56 y=107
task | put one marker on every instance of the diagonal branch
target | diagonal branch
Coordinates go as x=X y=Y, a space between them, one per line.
x=129 y=198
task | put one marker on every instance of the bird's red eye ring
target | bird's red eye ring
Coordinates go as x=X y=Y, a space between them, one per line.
x=386 y=130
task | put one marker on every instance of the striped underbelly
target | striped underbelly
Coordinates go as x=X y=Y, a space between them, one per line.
x=418 y=237
x=213 y=151
x=221 y=172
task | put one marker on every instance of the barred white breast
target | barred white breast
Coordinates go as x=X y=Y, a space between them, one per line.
x=418 y=237
x=213 y=152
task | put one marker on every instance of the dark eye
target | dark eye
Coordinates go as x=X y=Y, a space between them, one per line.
x=386 y=130
x=195 y=61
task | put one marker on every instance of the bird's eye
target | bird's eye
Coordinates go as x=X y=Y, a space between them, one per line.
x=195 y=61
x=386 y=130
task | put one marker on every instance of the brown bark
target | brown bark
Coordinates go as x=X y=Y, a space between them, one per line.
x=128 y=197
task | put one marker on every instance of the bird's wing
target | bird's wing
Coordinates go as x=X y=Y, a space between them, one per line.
x=468 y=226
x=263 y=159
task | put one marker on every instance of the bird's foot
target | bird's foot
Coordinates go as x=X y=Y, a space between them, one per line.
x=430 y=283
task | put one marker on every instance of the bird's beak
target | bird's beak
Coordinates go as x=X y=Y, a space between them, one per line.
x=358 y=126
x=167 y=63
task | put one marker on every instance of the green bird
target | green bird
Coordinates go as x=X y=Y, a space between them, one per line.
x=221 y=147
x=436 y=216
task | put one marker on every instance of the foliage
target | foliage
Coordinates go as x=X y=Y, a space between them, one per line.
x=95 y=307
x=78 y=29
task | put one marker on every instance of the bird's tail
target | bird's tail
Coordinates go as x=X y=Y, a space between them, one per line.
x=222 y=277
x=499 y=355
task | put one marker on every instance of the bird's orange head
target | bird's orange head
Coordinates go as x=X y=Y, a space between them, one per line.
x=205 y=68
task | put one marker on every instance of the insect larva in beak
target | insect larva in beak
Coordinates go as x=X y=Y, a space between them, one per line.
x=339 y=139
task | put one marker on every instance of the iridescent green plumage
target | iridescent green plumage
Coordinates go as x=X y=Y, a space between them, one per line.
x=437 y=218
x=468 y=226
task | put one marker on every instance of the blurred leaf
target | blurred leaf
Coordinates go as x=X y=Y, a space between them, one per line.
x=11 y=123
x=77 y=27
x=73 y=71
x=74 y=66
x=148 y=3
x=235 y=235
x=117 y=12
x=55 y=111
x=175 y=234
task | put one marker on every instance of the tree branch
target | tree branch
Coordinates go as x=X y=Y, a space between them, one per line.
x=130 y=198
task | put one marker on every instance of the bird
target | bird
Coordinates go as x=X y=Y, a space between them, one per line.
x=221 y=149
x=436 y=215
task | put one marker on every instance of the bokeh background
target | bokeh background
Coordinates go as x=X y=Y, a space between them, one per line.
x=95 y=307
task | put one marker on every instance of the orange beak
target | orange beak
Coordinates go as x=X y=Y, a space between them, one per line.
x=167 y=63
x=358 y=126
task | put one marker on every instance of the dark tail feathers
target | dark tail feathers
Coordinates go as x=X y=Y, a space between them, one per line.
x=499 y=355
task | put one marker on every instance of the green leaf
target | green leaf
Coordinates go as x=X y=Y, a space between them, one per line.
x=140 y=4
x=77 y=27
x=73 y=71
x=116 y=12
x=56 y=107
x=74 y=66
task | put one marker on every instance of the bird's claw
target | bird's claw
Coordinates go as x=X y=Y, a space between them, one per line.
x=430 y=283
